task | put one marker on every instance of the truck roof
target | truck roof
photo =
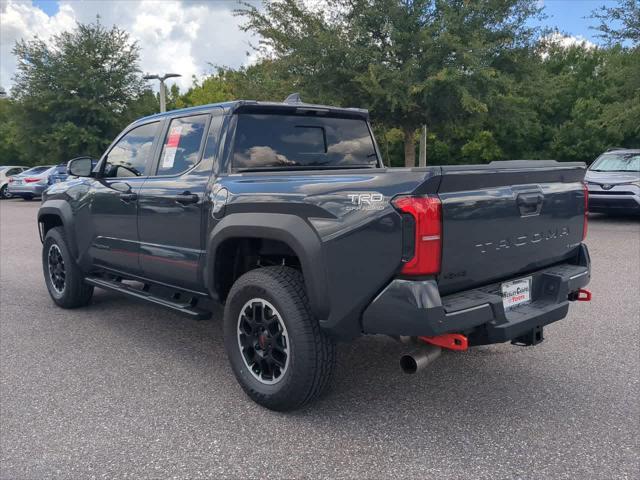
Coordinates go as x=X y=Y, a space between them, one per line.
x=273 y=107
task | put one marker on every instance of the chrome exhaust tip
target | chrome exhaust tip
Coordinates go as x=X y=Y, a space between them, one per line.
x=417 y=360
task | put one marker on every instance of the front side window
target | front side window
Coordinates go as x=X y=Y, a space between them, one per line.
x=131 y=156
x=182 y=145
x=268 y=141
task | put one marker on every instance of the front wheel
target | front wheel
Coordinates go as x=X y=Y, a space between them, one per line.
x=278 y=353
x=62 y=276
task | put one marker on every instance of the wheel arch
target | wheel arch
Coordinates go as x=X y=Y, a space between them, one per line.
x=289 y=230
x=57 y=213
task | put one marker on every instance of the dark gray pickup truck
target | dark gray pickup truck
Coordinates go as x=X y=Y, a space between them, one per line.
x=285 y=213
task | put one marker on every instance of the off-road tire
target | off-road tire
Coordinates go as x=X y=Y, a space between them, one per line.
x=312 y=353
x=75 y=293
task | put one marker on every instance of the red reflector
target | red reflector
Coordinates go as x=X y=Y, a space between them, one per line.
x=584 y=295
x=585 y=226
x=427 y=212
x=31 y=180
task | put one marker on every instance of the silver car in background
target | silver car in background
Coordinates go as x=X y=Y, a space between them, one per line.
x=6 y=172
x=30 y=183
x=614 y=182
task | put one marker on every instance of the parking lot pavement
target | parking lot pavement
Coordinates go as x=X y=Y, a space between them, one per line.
x=123 y=389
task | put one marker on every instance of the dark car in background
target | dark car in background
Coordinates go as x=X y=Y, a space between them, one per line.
x=30 y=183
x=59 y=174
x=614 y=182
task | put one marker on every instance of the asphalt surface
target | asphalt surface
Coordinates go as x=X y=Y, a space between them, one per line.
x=122 y=389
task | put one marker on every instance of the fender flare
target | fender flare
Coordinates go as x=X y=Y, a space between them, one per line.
x=290 y=229
x=61 y=209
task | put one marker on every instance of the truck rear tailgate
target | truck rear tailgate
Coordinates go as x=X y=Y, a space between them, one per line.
x=506 y=219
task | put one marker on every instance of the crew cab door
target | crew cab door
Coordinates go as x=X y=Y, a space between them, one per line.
x=114 y=203
x=173 y=200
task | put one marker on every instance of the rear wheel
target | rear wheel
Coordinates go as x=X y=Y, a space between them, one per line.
x=62 y=276
x=275 y=346
x=4 y=192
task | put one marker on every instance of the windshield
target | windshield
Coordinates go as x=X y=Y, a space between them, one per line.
x=293 y=141
x=617 y=162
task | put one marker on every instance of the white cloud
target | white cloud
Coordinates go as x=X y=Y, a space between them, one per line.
x=566 y=41
x=174 y=35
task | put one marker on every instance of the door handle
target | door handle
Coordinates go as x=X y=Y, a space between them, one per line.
x=184 y=198
x=128 y=197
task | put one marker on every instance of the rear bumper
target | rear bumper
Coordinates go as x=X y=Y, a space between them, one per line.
x=34 y=190
x=415 y=308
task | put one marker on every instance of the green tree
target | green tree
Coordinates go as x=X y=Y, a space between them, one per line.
x=76 y=91
x=620 y=23
x=410 y=62
x=10 y=153
x=586 y=99
x=265 y=80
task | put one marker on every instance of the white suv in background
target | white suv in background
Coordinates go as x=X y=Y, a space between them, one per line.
x=5 y=173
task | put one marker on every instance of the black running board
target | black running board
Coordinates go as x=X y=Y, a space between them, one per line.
x=116 y=286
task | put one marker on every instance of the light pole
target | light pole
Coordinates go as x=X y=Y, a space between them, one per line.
x=162 y=78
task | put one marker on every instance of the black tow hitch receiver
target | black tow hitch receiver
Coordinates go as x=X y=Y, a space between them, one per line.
x=532 y=337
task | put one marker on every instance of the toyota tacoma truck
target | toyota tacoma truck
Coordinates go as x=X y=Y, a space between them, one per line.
x=285 y=214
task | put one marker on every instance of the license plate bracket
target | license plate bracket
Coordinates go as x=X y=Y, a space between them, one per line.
x=516 y=292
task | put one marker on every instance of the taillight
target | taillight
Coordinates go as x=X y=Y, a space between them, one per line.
x=585 y=188
x=31 y=179
x=426 y=217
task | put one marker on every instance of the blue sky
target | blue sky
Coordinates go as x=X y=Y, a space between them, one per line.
x=569 y=16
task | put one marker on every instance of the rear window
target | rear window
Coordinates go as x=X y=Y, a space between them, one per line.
x=36 y=170
x=268 y=141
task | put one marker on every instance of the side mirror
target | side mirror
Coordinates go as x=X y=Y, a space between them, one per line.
x=80 y=167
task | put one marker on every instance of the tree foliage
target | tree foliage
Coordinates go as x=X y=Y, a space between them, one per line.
x=76 y=91
x=471 y=70
x=412 y=62
x=619 y=23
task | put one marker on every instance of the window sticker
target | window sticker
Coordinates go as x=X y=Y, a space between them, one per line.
x=171 y=146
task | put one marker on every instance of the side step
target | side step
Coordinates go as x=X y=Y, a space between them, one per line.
x=144 y=294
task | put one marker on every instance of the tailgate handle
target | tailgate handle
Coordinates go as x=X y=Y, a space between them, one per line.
x=530 y=203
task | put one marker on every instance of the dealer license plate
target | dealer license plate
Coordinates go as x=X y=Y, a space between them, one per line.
x=517 y=292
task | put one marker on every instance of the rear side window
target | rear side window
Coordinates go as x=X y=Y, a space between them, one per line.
x=182 y=145
x=267 y=141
